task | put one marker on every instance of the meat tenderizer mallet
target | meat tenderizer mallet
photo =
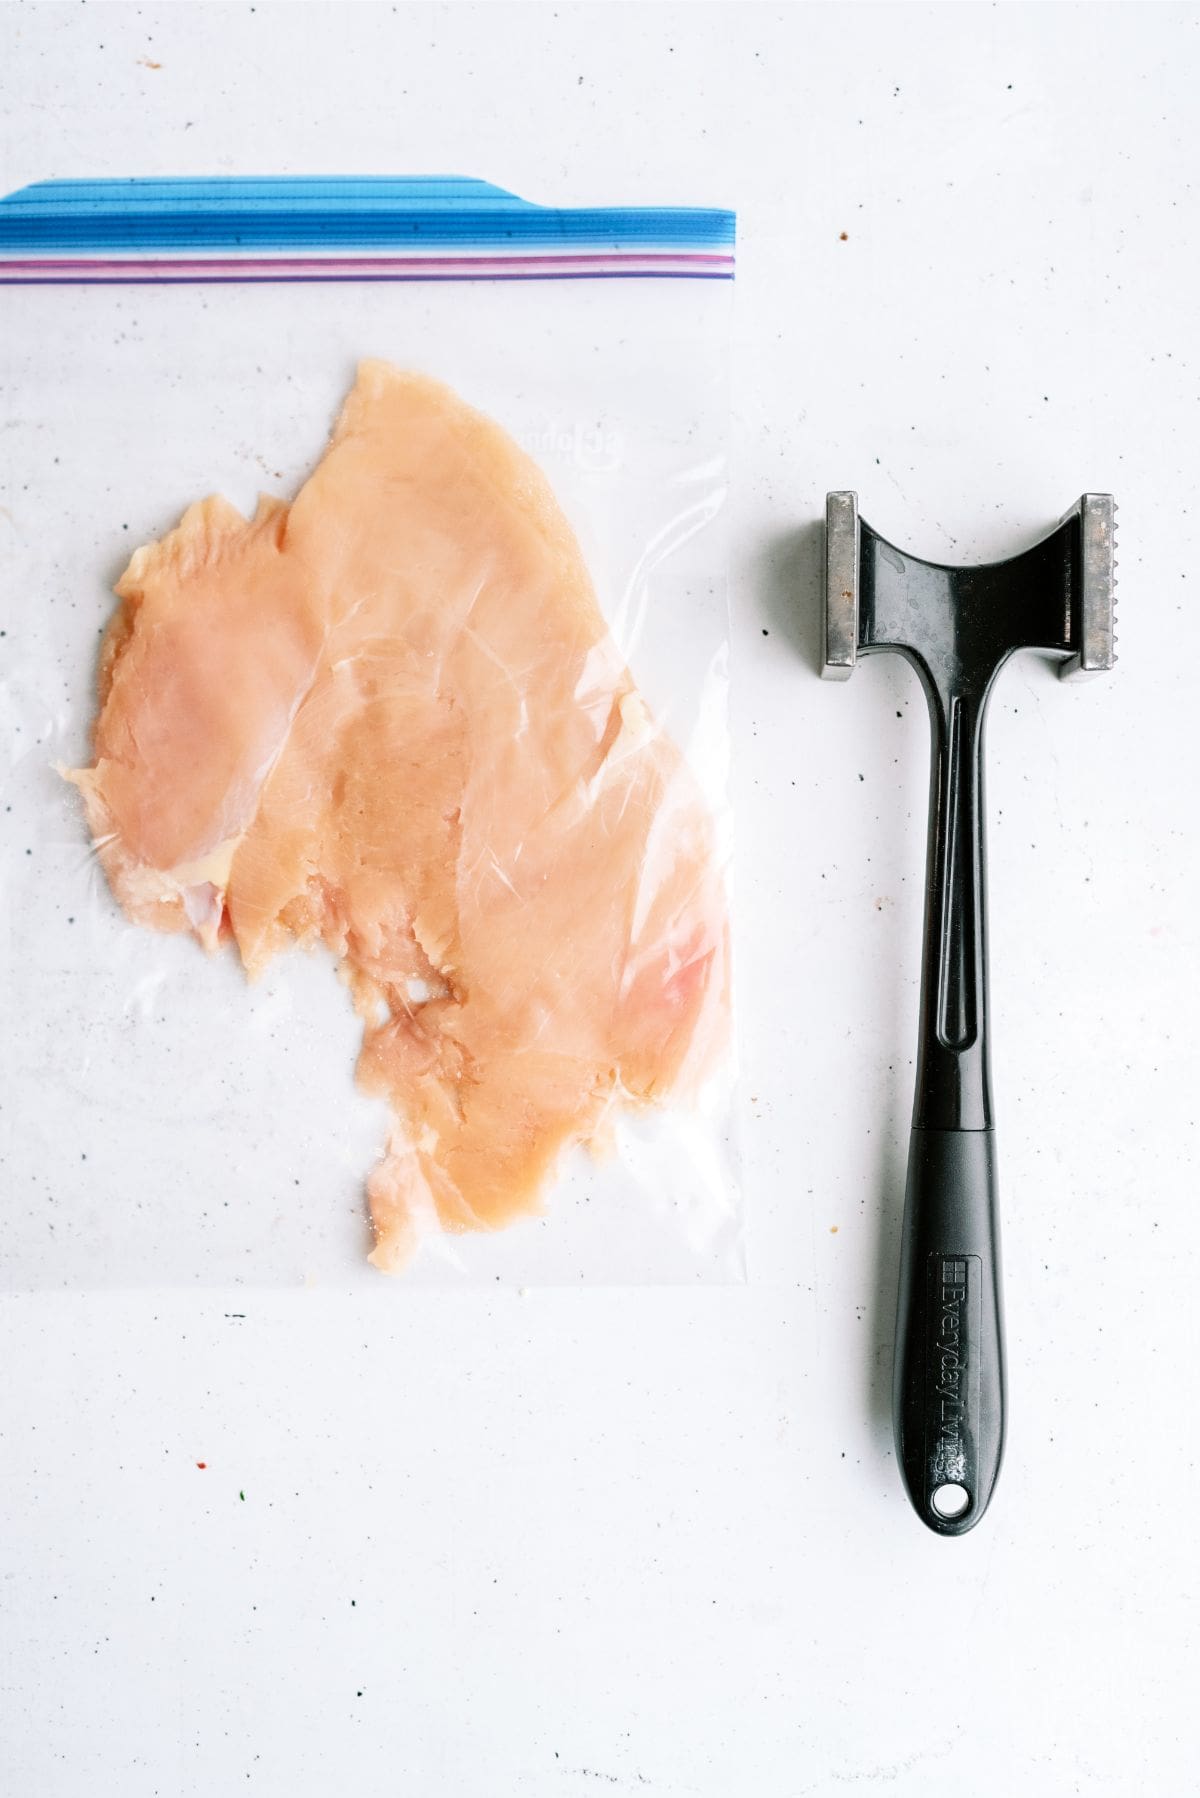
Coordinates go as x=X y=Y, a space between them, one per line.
x=958 y=627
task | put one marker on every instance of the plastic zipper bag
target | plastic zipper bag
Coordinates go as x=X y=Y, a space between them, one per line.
x=452 y=696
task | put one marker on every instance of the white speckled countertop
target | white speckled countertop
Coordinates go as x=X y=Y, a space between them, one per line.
x=465 y=1544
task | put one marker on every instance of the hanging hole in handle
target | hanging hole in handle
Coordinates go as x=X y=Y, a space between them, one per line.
x=951 y=1500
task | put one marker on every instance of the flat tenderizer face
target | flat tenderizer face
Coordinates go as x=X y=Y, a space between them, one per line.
x=839 y=645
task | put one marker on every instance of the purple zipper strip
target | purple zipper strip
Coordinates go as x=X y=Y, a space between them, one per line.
x=61 y=271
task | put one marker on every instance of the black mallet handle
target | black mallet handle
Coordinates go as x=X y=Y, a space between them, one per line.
x=949 y=1367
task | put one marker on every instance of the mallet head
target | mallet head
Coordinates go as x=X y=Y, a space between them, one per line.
x=958 y=624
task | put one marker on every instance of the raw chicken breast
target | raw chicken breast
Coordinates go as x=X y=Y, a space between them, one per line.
x=390 y=719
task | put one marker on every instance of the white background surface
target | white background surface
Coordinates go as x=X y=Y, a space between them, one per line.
x=645 y=1541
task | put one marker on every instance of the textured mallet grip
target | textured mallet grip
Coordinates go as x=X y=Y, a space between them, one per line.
x=949 y=1374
